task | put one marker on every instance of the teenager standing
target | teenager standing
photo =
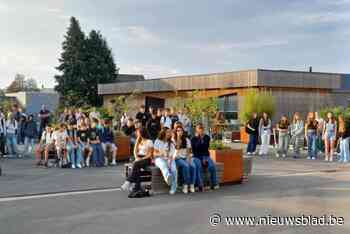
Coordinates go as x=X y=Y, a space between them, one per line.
x=252 y=128
x=265 y=134
x=329 y=134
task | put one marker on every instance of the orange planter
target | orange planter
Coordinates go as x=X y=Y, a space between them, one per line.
x=244 y=135
x=123 y=144
x=233 y=164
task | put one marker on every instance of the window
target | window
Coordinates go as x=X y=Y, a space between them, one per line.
x=228 y=104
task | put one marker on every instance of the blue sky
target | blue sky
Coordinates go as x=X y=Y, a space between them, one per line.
x=160 y=38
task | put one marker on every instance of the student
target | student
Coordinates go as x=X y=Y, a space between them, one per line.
x=173 y=116
x=329 y=134
x=185 y=120
x=142 y=116
x=283 y=136
x=46 y=145
x=143 y=152
x=297 y=134
x=2 y=133
x=94 y=140
x=11 y=131
x=344 y=137
x=200 y=148
x=164 y=152
x=252 y=128
x=44 y=116
x=184 y=160
x=31 y=134
x=265 y=134
x=166 y=121
x=107 y=139
x=94 y=114
x=73 y=148
x=60 y=138
x=153 y=126
x=311 y=128
x=83 y=134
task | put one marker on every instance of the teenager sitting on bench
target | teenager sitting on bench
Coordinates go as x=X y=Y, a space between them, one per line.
x=143 y=152
x=46 y=145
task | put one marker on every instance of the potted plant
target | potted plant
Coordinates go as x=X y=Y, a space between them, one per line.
x=255 y=101
x=231 y=158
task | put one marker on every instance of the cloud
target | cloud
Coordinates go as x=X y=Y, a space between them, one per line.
x=324 y=18
x=136 y=34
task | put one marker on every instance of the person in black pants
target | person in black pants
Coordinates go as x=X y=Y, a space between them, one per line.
x=252 y=128
x=143 y=152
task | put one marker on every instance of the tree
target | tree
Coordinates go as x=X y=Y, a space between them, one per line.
x=31 y=85
x=85 y=62
x=17 y=85
x=72 y=64
x=100 y=67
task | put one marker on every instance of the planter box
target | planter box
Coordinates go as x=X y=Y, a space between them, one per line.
x=123 y=144
x=244 y=135
x=233 y=164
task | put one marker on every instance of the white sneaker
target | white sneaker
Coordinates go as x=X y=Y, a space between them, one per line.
x=216 y=187
x=79 y=165
x=249 y=153
x=87 y=163
x=308 y=157
x=277 y=155
x=185 y=189
x=192 y=189
x=113 y=163
x=168 y=179
x=73 y=166
x=284 y=155
x=126 y=186
x=172 y=192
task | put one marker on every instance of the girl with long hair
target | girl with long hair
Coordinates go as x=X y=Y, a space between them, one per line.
x=297 y=134
x=184 y=160
x=164 y=158
x=344 y=134
x=265 y=134
x=143 y=152
x=283 y=136
x=311 y=128
x=330 y=133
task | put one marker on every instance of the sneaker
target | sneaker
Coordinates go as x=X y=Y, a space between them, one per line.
x=192 y=190
x=73 y=166
x=185 y=189
x=313 y=158
x=87 y=163
x=126 y=186
x=216 y=187
x=79 y=165
x=172 y=192
x=284 y=155
x=308 y=157
x=277 y=155
x=249 y=153
x=113 y=163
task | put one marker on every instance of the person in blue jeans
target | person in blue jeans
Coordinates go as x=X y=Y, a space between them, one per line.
x=252 y=128
x=184 y=160
x=311 y=128
x=344 y=137
x=74 y=149
x=200 y=148
x=95 y=144
x=163 y=154
x=11 y=134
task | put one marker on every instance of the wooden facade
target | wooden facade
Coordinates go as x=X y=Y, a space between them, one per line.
x=294 y=90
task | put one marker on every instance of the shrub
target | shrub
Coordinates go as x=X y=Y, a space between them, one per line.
x=218 y=145
x=259 y=102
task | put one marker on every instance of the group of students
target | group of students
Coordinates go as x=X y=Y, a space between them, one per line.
x=19 y=128
x=164 y=138
x=80 y=140
x=321 y=135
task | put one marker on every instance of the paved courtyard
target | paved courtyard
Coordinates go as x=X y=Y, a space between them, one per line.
x=38 y=200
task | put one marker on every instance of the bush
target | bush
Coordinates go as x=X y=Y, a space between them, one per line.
x=218 y=145
x=259 y=102
x=337 y=110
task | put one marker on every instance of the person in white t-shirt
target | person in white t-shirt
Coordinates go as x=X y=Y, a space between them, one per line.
x=61 y=138
x=184 y=160
x=185 y=120
x=94 y=114
x=11 y=134
x=165 y=120
x=143 y=153
x=46 y=145
x=164 y=154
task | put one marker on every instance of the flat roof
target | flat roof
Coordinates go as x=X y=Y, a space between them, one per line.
x=235 y=79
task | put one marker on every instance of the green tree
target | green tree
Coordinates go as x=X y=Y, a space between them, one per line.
x=31 y=85
x=17 y=85
x=72 y=65
x=100 y=67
